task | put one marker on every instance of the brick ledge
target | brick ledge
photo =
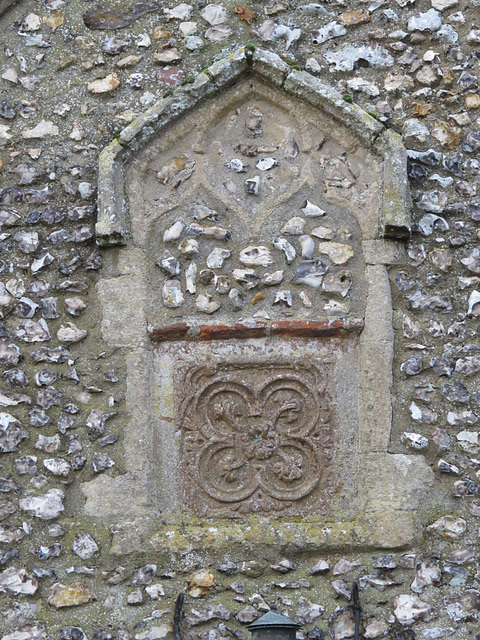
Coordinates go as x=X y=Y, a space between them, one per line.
x=257 y=329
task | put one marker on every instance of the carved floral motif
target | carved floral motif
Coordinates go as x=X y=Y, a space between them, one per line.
x=255 y=438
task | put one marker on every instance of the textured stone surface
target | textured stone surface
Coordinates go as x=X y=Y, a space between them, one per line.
x=402 y=340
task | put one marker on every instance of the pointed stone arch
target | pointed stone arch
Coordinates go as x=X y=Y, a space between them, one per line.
x=393 y=215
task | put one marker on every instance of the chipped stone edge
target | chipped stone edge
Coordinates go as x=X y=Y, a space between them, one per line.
x=396 y=223
x=6 y=4
x=111 y=227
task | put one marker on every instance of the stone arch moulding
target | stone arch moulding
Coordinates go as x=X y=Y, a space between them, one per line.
x=271 y=429
x=394 y=218
x=6 y=4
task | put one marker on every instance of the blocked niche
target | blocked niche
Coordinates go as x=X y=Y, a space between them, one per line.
x=256 y=212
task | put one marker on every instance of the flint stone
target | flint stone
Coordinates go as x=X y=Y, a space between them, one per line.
x=455 y=392
x=409 y=609
x=344 y=566
x=84 y=546
x=209 y=612
x=422 y=414
x=247 y=614
x=155 y=591
x=461 y=418
x=328 y=32
x=96 y=422
x=11 y=433
x=283 y=566
x=10 y=534
x=71 y=333
x=72 y=595
x=49 y=397
x=342 y=588
x=31 y=631
x=15 y=582
x=31 y=331
x=427 y=574
x=27 y=464
x=45 y=507
x=434 y=202
x=471 y=143
x=446 y=467
x=441 y=5
x=346 y=58
x=135 y=597
x=449 y=527
x=72 y=633
x=464 y=607
x=101 y=462
x=144 y=575
x=57 y=466
x=57 y=355
x=337 y=252
x=429 y=157
x=468 y=440
x=341 y=623
x=307 y=612
x=412 y=366
x=466 y=488
x=423 y=302
x=155 y=633
x=443 y=365
x=414 y=440
x=384 y=562
x=375 y=629
x=437 y=632
x=49 y=444
x=228 y=568
x=468 y=365
x=471 y=259
x=431 y=20
x=320 y=567
x=460 y=556
x=6 y=509
x=9 y=353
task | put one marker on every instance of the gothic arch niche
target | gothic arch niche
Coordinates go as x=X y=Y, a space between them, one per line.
x=273 y=400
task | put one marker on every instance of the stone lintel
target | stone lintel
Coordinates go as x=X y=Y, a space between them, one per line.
x=244 y=331
x=388 y=529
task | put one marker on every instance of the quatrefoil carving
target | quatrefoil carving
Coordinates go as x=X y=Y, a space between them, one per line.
x=255 y=438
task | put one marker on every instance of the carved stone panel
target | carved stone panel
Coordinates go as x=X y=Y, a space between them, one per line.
x=254 y=207
x=255 y=438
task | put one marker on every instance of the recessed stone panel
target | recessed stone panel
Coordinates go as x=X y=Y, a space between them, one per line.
x=255 y=438
x=256 y=203
x=254 y=207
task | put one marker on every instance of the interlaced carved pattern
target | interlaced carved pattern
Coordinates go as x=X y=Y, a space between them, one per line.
x=255 y=437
